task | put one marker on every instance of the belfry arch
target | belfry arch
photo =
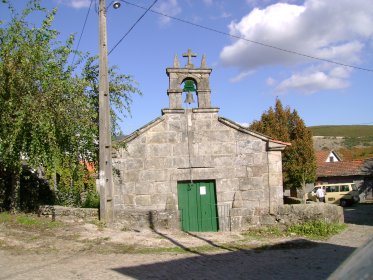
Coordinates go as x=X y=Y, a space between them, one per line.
x=177 y=75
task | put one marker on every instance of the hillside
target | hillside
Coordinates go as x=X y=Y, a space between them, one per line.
x=365 y=131
x=350 y=141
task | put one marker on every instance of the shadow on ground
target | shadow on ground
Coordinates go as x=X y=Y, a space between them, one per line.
x=282 y=261
x=359 y=214
x=296 y=259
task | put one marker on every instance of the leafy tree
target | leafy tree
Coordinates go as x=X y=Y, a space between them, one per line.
x=48 y=108
x=299 y=163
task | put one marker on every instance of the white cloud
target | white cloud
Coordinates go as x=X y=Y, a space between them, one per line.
x=318 y=28
x=208 y=2
x=168 y=7
x=270 y=81
x=240 y=76
x=77 y=4
x=312 y=82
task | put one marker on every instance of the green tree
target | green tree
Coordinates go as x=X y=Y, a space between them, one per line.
x=299 y=163
x=48 y=108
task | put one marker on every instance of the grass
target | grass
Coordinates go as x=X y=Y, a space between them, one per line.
x=28 y=221
x=318 y=230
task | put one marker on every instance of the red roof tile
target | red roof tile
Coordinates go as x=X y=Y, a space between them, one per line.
x=341 y=168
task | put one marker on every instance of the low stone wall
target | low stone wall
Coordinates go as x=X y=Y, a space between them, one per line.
x=300 y=213
x=238 y=220
x=62 y=212
x=138 y=219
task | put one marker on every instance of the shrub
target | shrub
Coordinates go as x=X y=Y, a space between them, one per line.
x=92 y=200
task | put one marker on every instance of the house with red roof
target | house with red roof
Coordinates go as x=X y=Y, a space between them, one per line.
x=331 y=168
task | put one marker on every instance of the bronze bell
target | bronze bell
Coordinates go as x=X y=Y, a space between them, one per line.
x=189 y=98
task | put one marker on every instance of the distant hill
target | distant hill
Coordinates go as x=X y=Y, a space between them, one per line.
x=343 y=130
x=350 y=141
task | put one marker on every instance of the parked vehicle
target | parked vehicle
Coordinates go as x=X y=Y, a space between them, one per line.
x=343 y=194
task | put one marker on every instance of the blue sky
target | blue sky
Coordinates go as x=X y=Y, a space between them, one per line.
x=246 y=77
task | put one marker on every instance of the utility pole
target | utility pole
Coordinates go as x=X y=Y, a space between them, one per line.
x=105 y=165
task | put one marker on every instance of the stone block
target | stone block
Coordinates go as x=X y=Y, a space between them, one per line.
x=143 y=200
x=211 y=148
x=135 y=150
x=223 y=161
x=275 y=179
x=158 y=150
x=244 y=159
x=128 y=199
x=202 y=125
x=131 y=176
x=127 y=187
x=159 y=199
x=144 y=188
x=158 y=163
x=162 y=187
x=252 y=195
x=152 y=175
x=259 y=158
x=162 y=137
x=258 y=146
x=259 y=170
x=225 y=197
x=252 y=183
x=133 y=164
x=202 y=161
x=180 y=162
x=240 y=171
x=160 y=127
x=227 y=184
x=180 y=149
x=244 y=147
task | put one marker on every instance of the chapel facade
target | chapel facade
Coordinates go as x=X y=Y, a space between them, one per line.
x=192 y=169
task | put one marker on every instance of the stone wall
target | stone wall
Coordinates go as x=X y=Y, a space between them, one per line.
x=71 y=213
x=237 y=219
x=247 y=175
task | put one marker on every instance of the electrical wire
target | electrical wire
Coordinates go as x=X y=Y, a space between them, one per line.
x=81 y=33
x=248 y=40
x=137 y=21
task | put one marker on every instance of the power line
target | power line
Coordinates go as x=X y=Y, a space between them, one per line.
x=81 y=33
x=248 y=40
x=137 y=21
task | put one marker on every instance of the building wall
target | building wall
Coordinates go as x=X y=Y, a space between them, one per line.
x=248 y=178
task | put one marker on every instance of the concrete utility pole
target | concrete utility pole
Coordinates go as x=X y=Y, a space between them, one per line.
x=105 y=165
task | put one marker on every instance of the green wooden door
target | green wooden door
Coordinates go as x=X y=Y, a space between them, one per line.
x=197 y=205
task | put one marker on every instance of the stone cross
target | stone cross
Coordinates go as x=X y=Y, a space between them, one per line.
x=189 y=55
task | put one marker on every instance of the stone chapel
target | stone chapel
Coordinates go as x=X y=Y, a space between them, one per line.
x=193 y=170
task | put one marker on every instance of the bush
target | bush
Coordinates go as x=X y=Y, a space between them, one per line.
x=92 y=200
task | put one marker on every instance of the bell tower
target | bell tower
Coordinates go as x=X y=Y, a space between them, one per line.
x=194 y=79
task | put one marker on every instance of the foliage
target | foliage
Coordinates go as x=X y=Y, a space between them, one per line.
x=299 y=163
x=48 y=108
x=316 y=229
x=92 y=200
x=356 y=153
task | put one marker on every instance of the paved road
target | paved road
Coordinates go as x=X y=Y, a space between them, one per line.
x=301 y=259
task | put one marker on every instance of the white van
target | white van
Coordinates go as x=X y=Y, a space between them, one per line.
x=343 y=194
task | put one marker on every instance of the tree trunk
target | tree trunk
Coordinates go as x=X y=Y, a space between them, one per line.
x=15 y=192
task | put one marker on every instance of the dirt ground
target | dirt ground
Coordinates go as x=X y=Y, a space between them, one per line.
x=76 y=250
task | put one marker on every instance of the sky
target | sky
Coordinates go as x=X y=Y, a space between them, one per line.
x=283 y=53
